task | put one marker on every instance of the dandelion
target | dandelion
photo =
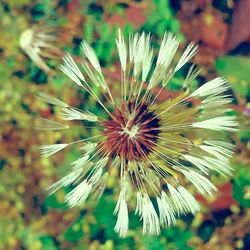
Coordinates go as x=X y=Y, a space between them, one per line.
x=37 y=44
x=156 y=147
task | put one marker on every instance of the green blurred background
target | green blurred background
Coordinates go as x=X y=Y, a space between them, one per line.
x=31 y=220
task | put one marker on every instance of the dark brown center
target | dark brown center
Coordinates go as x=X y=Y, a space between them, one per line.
x=132 y=132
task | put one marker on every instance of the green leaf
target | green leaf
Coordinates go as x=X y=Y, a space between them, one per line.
x=241 y=187
x=178 y=237
x=236 y=66
x=75 y=231
x=88 y=31
x=56 y=200
x=104 y=32
x=244 y=135
x=104 y=215
x=60 y=80
x=152 y=243
x=47 y=243
x=236 y=71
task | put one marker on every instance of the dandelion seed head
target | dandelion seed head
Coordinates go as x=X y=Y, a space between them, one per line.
x=36 y=43
x=26 y=38
x=153 y=145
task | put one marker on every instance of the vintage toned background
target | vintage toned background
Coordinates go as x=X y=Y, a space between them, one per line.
x=29 y=219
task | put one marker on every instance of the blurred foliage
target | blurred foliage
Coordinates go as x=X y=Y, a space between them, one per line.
x=236 y=69
x=31 y=220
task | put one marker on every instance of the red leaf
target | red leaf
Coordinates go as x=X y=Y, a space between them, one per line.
x=118 y=20
x=239 y=29
x=73 y=5
x=135 y=16
x=213 y=30
x=223 y=199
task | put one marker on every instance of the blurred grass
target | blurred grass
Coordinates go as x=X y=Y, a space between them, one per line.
x=31 y=220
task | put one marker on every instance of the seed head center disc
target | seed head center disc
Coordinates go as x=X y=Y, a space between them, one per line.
x=132 y=131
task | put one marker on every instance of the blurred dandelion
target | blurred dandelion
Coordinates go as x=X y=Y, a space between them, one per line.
x=153 y=145
x=37 y=44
